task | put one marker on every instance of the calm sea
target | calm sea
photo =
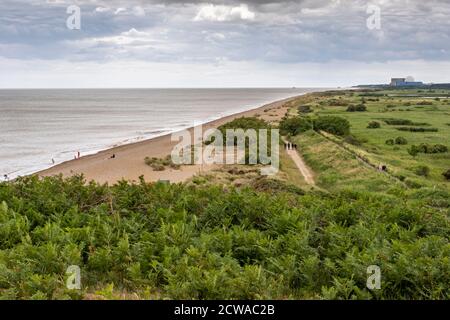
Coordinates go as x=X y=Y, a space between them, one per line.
x=38 y=125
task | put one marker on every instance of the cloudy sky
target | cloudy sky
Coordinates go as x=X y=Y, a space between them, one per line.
x=174 y=43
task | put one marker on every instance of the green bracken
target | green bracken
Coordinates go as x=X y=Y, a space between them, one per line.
x=191 y=242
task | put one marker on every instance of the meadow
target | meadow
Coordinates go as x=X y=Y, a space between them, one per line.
x=393 y=110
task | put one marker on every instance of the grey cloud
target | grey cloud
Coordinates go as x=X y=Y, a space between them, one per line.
x=283 y=31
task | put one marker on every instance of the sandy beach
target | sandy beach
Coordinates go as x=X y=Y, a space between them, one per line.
x=129 y=161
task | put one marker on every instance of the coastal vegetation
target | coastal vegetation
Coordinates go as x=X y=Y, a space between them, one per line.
x=379 y=199
x=373 y=125
x=332 y=124
x=422 y=122
x=357 y=108
x=160 y=164
x=189 y=241
x=295 y=125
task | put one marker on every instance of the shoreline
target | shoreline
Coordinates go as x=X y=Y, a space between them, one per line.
x=129 y=164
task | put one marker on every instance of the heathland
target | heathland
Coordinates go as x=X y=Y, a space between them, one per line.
x=380 y=197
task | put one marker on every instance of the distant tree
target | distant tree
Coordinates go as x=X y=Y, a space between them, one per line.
x=333 y=124
x=294 y=126
x=401 y=141
x=357 y=108
x=413 y=150
x=305 y=109
x=373 y=125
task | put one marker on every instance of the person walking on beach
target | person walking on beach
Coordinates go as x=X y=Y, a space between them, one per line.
x=53 y=161
x=78 y=155
x=5 y=177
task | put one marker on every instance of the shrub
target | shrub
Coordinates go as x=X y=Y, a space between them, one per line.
x=333 y=124
x=160 y=164
x=416 y=129
x=353 y=140
x=246 y=123
x=180 y=241
x=424 y=103
x=390 y=142
x=401 y=141
x=338 y=102
x=357 y=108
x=422 y=171
x=294 y=126
x=305 y=109
x=404 y=122
x=413 y=150
x=373 y=125
x=430 y=149
x=439 y=148
x=446 y=174
x=273 y=186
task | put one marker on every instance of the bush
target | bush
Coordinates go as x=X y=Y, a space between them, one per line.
x=357 y=108
x=422 y=171
x=273 y=186
x=178 y=241
x=332 y=124
x=424 y=103
x=246 y=123
x=390 y=142
x=337 y=103
x=439 y=148
x=373 y=125
x=353 y=140
x=305 y=109
x=401 y=141
x=446 y=174
x=413 y=150
x=404 y=122
x=430 y=149
x=294 y=126
x=415 y=129
x=160 y=164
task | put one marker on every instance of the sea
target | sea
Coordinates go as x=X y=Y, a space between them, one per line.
x=40 y=126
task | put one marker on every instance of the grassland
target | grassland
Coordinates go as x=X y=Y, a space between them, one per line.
x=333 y=159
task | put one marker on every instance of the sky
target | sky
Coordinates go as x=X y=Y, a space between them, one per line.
x=210 y=43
